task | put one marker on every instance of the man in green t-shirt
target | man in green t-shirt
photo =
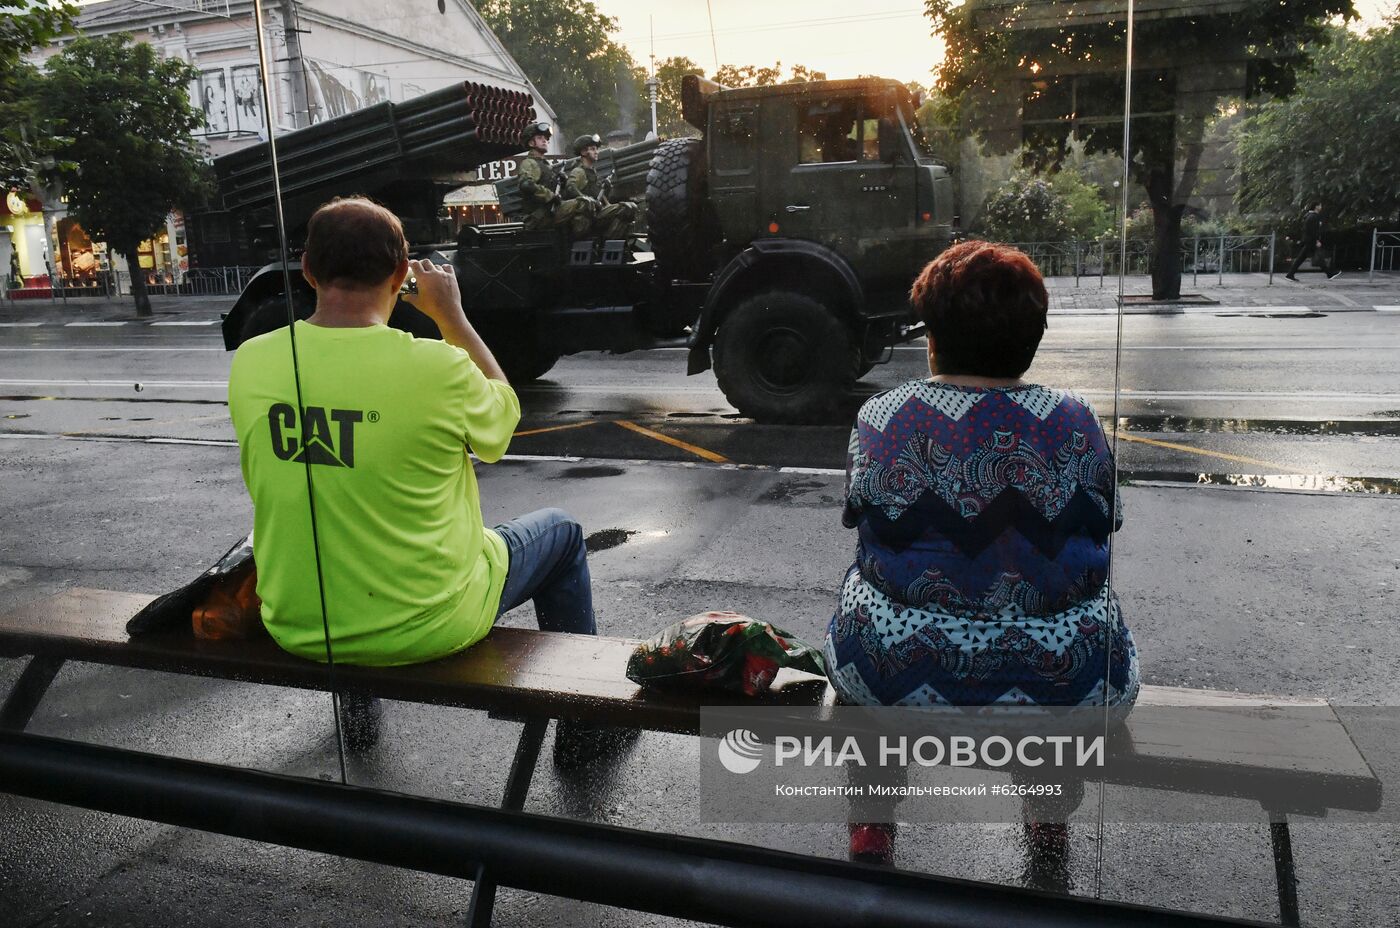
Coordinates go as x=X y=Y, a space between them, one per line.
x=374 y=427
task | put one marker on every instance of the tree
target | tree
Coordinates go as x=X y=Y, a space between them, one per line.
x=25 y=146
x=748 y=75
x=1054 y=208
x=1057 y=67
x=669 y=73
x=127 y=121
x=1337 y=139
x=565 y=48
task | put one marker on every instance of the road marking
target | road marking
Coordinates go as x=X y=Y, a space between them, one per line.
x=674 y=442
x=73 y=325
x=187 y=322
x=20 y=325
x=1239 y=459
x=1388 y=309
x=556 y=428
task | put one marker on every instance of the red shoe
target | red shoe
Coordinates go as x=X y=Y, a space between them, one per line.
x=872 y=843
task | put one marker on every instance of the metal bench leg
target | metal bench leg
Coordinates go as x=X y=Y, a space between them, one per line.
x=31 y=686
x=522 y=769
x=1284 y=872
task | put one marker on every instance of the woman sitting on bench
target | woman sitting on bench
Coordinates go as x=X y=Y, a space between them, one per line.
x=984 y=505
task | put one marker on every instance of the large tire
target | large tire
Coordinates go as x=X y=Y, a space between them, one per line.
x=520 y=355
x=783 y=357
x=679 y=221
x=271 y=312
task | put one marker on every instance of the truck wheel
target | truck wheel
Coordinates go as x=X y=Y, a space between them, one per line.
x=784 y=357
x=271 y=313
x=521 y=359
x=677 y=207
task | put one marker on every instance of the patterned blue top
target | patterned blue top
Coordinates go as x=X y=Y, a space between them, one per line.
x=983 y=519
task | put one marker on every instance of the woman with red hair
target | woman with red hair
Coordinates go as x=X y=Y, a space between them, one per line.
x=984 y=505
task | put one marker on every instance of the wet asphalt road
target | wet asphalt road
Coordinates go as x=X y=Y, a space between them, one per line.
x=1303 y=394
x=1262 y=591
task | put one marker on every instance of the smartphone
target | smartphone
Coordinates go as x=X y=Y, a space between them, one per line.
x=410 y=285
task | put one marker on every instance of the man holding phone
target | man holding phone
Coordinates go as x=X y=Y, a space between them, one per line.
x=374 y=426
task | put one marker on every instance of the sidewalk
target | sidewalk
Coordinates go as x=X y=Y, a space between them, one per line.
x=1351 y=292
x=99 y=309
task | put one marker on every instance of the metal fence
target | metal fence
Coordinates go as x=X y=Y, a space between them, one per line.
x=199 y=281
x=1215 y=254
x=1385 y=252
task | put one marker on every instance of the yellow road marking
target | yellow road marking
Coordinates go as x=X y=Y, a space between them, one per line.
x=1274 y=468
x=555 y=428
x=674 y=442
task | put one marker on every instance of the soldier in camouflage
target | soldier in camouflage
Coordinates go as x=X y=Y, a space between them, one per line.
x=545 y=208
x=610 y=220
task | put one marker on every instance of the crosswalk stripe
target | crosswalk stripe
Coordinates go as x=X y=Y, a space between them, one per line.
x=71 y=325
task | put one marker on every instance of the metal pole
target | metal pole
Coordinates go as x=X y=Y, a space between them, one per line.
x=1272 y=236
x=1196 y=261
x=1375 y=238
x=714 y=882
x=1220 y=264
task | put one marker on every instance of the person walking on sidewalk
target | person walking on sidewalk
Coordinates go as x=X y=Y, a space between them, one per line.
x=1311 y=244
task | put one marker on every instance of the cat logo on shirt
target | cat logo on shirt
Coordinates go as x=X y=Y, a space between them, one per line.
x=319 y=442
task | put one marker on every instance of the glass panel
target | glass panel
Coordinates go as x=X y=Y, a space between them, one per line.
x=123 y=490
x=1255 y=366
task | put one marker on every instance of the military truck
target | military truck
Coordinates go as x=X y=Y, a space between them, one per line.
x=782 y=245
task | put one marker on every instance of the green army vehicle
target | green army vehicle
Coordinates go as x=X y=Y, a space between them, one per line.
x=782 y=246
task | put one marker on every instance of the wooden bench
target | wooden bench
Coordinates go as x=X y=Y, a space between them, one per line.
x=535 y=676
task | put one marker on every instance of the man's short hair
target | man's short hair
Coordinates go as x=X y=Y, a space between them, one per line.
x=985 y=307
x=354 y=242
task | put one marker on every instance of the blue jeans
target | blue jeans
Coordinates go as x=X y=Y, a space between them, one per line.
x=548 y=563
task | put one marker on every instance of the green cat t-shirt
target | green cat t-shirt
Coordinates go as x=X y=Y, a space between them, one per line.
x=409 y=571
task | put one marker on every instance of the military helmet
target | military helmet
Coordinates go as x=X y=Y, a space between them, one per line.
x=534 y=129
x=583 y=141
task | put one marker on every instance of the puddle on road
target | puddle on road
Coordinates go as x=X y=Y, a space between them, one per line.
x=790 y=490
x=1317 y=483
x=1378 y=428
x=588 y=471
x=606 y=538
x=1270 y=315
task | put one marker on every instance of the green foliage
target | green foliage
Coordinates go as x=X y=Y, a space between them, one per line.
x=1337 y=139
x=936 y=120
x=1062 y=206
x=983 y=55
x=566 y=49
x=1025 y=209
x=127 y=122
x=670 y=124
x=749 y=75
x=26 y=146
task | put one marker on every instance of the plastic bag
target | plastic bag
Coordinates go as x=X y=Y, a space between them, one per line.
x=220 y=603
x=720 y=651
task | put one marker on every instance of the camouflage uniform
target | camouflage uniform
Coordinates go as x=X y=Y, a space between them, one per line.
x=538 y=180
x=611 y=221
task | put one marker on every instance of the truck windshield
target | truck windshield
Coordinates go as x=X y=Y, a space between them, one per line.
x=922 y=144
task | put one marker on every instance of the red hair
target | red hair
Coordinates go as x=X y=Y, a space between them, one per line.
x=985 y=306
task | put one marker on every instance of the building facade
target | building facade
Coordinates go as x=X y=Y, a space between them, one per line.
x=329 y=57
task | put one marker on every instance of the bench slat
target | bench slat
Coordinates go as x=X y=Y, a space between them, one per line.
x=522 y=672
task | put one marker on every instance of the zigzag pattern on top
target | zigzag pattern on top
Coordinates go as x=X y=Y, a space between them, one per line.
x=931 y=517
